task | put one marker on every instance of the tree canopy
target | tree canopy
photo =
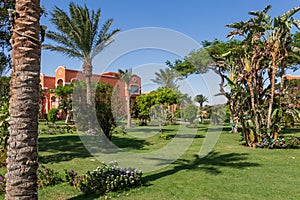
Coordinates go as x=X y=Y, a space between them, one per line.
x=6 y=19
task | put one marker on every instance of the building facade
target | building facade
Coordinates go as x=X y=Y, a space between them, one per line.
x=292 y=85
x=64 y=76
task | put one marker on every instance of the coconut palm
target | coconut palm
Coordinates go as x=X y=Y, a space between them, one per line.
x=22 y=155
x=166 y=78
x=79 y=36
x=125 y=77
x=200 y=98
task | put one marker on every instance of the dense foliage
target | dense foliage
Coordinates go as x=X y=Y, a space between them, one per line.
x=105 y=178
x=52 y=115
x=103 y=106
x=47 y=176
x=162 y=97
x=190 y=113
x=252 y=71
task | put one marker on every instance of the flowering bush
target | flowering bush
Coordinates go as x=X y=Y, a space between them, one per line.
x=289 y=142
x=2 y=184
x=71 y=177
x=47 y=177
x=105 y=178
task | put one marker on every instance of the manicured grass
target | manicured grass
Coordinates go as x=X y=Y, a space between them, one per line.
x=230 y=171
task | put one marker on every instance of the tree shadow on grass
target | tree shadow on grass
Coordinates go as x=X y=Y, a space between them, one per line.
x=85 y=197
x=130 y=143
x=210 y=164
x=61 y=148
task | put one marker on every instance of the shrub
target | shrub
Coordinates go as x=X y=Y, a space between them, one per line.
x=164 y=136
x=190 y=113
x=52 y=115
x=288 y=142
x=105 y=178
x=71 y=177
x=47 y=176
x=2 y=184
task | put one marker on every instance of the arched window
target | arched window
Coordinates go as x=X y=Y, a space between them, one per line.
x=134 y=89
x=59 y=82
x=74 y=80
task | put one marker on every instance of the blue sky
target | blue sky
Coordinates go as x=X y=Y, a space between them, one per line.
x=196 y=19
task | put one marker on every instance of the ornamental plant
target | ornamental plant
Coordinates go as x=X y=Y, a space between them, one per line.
x=71 y=177
x=47 y=176
x=105 y=178
x=288 y=142
x=52 y=115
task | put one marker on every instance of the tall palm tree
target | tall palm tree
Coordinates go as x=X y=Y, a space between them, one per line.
x=200 y=98
x=166 y=78
x=22 y=155
x=125 y=77
x=79 y=36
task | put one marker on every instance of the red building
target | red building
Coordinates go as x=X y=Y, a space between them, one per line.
x=293 y=85
x=64 y=76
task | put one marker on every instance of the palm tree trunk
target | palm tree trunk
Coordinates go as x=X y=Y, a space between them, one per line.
x=88 y=90
x=233 y=116
x=128 y=106
x=253 y=107
x=22 y=155
x=87 y=69
x=273 y=74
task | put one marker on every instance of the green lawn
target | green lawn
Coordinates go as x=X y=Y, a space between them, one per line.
x=230 y=171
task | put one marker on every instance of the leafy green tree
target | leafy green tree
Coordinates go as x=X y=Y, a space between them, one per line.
x=103 y=105
x=162 y=97
x=52 y=115
x=198 y=61
x=79 y=36
x=190 y=113
x=144 y=103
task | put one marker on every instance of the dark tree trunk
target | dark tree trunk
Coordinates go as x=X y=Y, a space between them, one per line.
x=22 y=155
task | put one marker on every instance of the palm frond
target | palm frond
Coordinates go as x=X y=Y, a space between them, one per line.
x=66 y=51
x=103 y=35
x=289 y=13
x=61 y=38
x=296 y=22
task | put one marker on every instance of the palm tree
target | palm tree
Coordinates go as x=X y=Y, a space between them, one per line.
x=166 y=78
x=22 y=155
x=125 y=77
x=200 y=98
x=79 y=36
